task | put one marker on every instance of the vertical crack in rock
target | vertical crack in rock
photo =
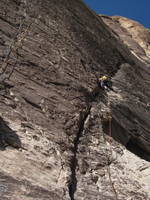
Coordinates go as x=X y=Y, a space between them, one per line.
x=74 y=162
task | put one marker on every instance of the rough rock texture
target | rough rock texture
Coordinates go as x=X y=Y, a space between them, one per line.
x=138 y=32
x=132 y=33
x=56 y=122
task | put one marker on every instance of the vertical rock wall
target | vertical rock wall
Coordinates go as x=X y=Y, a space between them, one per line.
x=54 y=116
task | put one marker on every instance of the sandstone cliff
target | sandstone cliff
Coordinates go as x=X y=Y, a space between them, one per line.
x=61 y=135
x=138 y=32
x=132 y=33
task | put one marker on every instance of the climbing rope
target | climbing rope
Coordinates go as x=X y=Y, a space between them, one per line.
x=110 y=117
x=110 y=134
x=16 y=44
x=108 y=156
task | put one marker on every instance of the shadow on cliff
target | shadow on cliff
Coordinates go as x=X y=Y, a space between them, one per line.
x=8 y=137
x=88 y=97
x=121 y=135
x=124 y=128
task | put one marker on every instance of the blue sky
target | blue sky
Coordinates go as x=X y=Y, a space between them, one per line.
x=138 y=10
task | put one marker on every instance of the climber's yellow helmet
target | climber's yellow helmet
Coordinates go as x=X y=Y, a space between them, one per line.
x=103 y=78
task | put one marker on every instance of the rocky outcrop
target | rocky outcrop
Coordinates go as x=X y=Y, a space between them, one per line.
x=138 y=32
x=62 y=136
x=132 y=33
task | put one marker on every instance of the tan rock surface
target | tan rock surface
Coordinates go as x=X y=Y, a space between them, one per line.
x=54 y=117
x=132 y=33
x=138 y=32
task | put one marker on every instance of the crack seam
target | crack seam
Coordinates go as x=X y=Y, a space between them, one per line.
x=74 y=162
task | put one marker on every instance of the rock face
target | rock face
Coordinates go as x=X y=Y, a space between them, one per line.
x=133 y=34
x=61 y=135
x=138 y=32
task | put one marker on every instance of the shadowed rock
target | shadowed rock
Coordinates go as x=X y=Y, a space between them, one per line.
x=58 y=50
x=8 y=137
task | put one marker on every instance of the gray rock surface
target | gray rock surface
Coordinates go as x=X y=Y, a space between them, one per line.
x=61 y=135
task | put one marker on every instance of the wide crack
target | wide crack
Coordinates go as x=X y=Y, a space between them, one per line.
x=74 y=162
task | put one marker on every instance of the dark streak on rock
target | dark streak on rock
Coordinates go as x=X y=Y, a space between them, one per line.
x=57 y=83
x=8 y=137
x=74 y=161
x=32 y=103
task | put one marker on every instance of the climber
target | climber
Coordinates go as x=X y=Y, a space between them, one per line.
x=105 y=83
